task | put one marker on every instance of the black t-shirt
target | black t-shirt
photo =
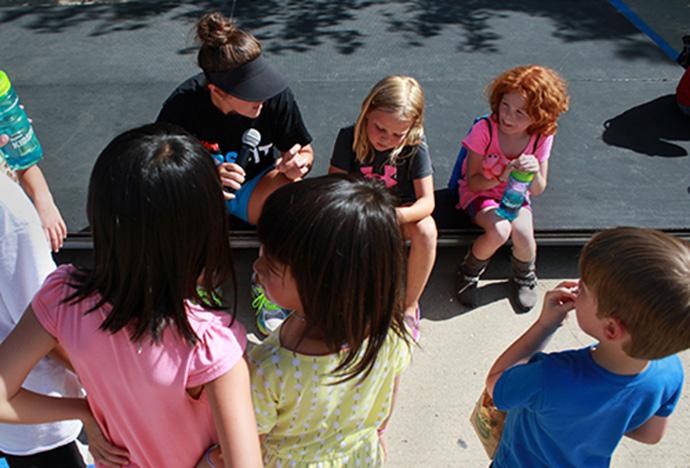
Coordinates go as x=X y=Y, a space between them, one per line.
x=399 y=178
x=280 y=122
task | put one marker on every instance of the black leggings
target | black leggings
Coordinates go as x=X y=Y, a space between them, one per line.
x=66 y=456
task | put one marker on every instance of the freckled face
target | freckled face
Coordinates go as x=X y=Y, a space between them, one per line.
x=512 y=114
x=386 y=130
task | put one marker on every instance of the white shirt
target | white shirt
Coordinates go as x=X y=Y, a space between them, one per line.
x=25 y=261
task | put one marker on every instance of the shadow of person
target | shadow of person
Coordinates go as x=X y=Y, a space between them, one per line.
x=650 y=128
x=447 y=309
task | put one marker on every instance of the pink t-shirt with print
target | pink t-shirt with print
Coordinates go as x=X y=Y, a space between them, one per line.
x=137 y=393
x=493 y=159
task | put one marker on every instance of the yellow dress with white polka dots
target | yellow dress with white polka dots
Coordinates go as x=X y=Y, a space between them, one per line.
x=307 y=422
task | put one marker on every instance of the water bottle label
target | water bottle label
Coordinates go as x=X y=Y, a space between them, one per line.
x=18 y=140
x=514 y=195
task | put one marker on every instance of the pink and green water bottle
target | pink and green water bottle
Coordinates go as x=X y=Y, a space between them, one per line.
x=514 y=194
x=23 y=149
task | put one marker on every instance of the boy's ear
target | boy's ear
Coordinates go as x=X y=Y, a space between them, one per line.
x=614 y=329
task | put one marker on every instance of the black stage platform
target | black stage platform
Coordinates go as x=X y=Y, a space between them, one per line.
x=88 y=72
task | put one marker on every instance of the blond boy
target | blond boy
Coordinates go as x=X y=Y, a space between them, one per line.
x=571 y=408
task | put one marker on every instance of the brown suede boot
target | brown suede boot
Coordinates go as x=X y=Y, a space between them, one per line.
x=523 y=284
x=468 y=278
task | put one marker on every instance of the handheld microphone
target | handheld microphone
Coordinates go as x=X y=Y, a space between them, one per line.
x=250 y=140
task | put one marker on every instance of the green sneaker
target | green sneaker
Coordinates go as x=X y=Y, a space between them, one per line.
x=212 y=300
x=269 y=316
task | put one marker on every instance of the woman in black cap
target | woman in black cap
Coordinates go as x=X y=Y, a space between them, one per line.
x=239 y=90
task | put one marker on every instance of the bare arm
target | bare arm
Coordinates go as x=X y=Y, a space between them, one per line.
x=233 y=413
x=384 y=425
x=423 y=206
x=557 y=303
x=19 y=353
x=476 y=182
x=59 y=354
x=34 y=184
x=539 y=182
x=530 y=163
x=394 y=398
x=651 y=432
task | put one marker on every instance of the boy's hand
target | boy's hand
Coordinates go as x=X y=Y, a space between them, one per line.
x=557 y=303
x=526 y=163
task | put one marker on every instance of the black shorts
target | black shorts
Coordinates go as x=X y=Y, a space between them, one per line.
x=66 y=456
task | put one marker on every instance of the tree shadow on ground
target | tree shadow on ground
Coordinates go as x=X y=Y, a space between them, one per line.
x=298 y=26
x=650 y=128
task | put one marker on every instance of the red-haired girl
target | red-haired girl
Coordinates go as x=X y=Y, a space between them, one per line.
x=526 y=102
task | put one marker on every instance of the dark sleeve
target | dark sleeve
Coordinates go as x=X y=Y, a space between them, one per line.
x=343 y=156
x=421 y=163
x=174 y=110
x=288 y=124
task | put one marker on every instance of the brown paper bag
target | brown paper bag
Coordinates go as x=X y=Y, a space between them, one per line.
x=487 y=421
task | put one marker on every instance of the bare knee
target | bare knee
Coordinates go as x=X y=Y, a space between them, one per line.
x=499 y=232
x=524 y=240
x=422 y=233
x=523 y=235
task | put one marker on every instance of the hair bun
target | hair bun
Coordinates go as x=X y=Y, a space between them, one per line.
x=215 y=30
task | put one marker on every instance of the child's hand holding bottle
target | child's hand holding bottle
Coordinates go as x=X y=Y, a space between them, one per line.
x=523 y=163
x=526 y=163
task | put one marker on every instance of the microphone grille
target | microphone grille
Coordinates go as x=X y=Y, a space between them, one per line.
x=251 y=137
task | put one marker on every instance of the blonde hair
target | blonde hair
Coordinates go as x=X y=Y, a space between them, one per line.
x=642 y=278
x=544 y=90
x=399 y=95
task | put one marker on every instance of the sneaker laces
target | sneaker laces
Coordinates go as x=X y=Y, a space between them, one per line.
x=212 y=299
x=262 y=303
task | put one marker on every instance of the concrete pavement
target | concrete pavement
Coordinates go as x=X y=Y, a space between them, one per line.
x=430 y=426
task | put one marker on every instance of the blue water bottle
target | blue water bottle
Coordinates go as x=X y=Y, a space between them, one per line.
x=23 y=149
x=514 y=194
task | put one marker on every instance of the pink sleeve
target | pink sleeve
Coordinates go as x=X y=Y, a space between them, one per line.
x=543 y=151
x=48 y=300
x=478 y=139
x=219 y=348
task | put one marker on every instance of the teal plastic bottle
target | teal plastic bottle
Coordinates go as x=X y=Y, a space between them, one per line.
x=514 y=194
x=23 y=149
